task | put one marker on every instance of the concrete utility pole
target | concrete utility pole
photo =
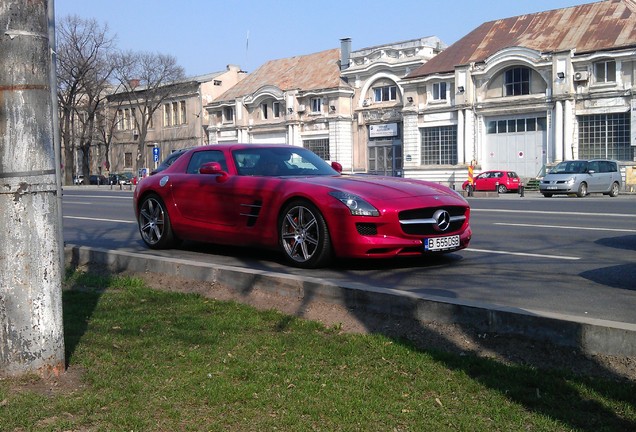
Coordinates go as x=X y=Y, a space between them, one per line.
x=31 y=330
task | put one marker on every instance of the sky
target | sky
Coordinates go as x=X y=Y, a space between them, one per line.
x=207 y=35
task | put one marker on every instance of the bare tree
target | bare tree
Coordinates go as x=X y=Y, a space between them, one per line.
x=84 y=69
x=146 y=80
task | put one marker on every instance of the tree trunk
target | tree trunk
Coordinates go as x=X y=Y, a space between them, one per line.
x=31 y=328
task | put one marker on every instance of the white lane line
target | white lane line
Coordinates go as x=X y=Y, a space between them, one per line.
x=620 y=215
x=565 y=227
x=569 y=258
x=101 y=220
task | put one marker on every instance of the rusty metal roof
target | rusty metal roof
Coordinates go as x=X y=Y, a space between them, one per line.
x=308 y=72
x=600 y=26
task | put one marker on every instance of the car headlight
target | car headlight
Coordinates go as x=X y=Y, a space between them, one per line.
x=570 y=181
x=357 y=206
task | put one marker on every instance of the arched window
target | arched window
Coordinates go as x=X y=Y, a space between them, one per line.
x=517 y=81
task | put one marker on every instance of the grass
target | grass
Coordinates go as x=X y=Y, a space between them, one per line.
x=162 y=361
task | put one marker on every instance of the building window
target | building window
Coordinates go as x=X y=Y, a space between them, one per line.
x=516 y=125
x=126 y=119
x=264 y=111
x=228 y=114
x=605 y=71
x=182 y=113
x=318 y=146
x=439 y=91
x=128 y=160
x=174 y=119
x=385 y=93
x=517 y=81
x=316 y=105
x=166 y=115
x=276 y=109
x=120 y=120
x=605 y=136
x=439 y=145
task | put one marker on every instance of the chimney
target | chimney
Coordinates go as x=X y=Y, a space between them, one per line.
x=345 y=53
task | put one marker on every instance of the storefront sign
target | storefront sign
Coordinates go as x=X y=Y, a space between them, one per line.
x=383 y=130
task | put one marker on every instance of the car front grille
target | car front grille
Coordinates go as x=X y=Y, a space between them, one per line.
x=426 y=221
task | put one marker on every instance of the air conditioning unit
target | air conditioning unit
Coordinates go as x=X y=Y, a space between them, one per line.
x=581 y=76
x=301 y=108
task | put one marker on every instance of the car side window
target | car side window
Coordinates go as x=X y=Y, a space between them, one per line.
x=593 y=166
x=202 y=157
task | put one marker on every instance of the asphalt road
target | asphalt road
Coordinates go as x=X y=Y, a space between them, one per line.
x=572 y=256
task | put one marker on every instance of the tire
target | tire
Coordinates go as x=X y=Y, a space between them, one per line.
x=614 y=190
x=502 y=189
x=154 y=224
x=582 y=190
x=303 y=235
x=547 y=195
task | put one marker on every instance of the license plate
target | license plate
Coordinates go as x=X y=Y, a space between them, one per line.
x=551 y=187
x=441 y=243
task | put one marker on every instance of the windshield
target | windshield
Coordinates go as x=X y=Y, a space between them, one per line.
x=570 y=167
x=280 y=161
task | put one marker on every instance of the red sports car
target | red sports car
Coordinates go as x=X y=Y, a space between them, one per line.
x=286 y=198
x=498 y=180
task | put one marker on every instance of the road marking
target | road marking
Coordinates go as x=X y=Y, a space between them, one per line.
x=566 y=227
x=101 y=220
x=569 y=258
x=554 y=213
x=65 y=197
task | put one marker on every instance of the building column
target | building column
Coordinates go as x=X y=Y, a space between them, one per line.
x=557 y=126
x=461 y=134
x=568 y=129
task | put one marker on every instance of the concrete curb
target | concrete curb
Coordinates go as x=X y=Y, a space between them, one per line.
x=591 y=336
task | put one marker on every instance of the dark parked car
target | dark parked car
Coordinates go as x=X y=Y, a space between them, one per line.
x=120 y=179
x=97 y=179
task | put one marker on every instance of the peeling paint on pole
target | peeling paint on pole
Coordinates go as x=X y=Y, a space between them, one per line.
x=31 y=330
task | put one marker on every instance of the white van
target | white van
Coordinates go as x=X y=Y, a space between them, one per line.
x=582 y=177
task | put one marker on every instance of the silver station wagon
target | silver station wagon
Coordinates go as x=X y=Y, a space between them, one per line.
x=582 y=177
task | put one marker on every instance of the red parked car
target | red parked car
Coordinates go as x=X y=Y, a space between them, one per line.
x=286 y=198
x=496 y=180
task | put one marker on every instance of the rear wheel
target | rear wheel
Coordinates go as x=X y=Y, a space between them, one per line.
x=154 y=223
x=304 y=236
x=614 y=190
x=502 y=189
x=582 y=190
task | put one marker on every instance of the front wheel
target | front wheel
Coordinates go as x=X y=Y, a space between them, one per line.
x=304 y=236
x=154 y=224
x=582 y=190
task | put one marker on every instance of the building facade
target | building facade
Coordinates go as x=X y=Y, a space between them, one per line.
x=526 y=92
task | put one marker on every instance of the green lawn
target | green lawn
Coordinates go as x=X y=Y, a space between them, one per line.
x=163 y=361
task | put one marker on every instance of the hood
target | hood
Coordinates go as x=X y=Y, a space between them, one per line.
x=381 y=188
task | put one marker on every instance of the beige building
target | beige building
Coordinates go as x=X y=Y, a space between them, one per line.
x=299 y=100
x=180 y=122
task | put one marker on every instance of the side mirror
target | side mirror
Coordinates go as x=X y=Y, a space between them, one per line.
x=215 y=169
x=336 y=166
